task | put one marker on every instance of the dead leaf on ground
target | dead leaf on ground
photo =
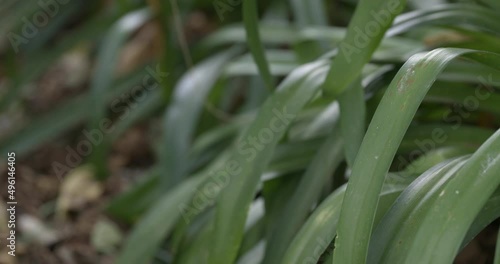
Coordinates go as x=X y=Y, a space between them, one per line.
x=78 y=189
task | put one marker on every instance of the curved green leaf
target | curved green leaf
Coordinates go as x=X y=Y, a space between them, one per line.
x=182 y=115
x=251 y=158
x=380 y=144
x=392 y=233
x=103 y=77
x=458 y=204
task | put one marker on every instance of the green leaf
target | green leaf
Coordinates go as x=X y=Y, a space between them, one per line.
x=307 y=193
x=195 y=240
x=156 y=224
x=390 y=122
x=131 y=204
x=369 y=23
x=458 y=204
x=103 y=77
x=391 y=49
x=255 y=227
x=251 y=20
x=448 y=15
x=320 y=228
x=182 y=116
x=352 y=119
x=252 y=158
x=434 y=157
x=392 y=233
x=309 y=13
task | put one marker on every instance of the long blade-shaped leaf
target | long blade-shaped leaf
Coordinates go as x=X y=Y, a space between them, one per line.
x=251 y=20
x=299 y=204
x=309 y=12
x=103 y=76
x=254 y=152
x=142 y=244
x=182 y=116
x=390 y=122
x=352 y=119
x=449 y=15
x=392 y=232
x=458 y=204
x=366 y=30
x=320 y=228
